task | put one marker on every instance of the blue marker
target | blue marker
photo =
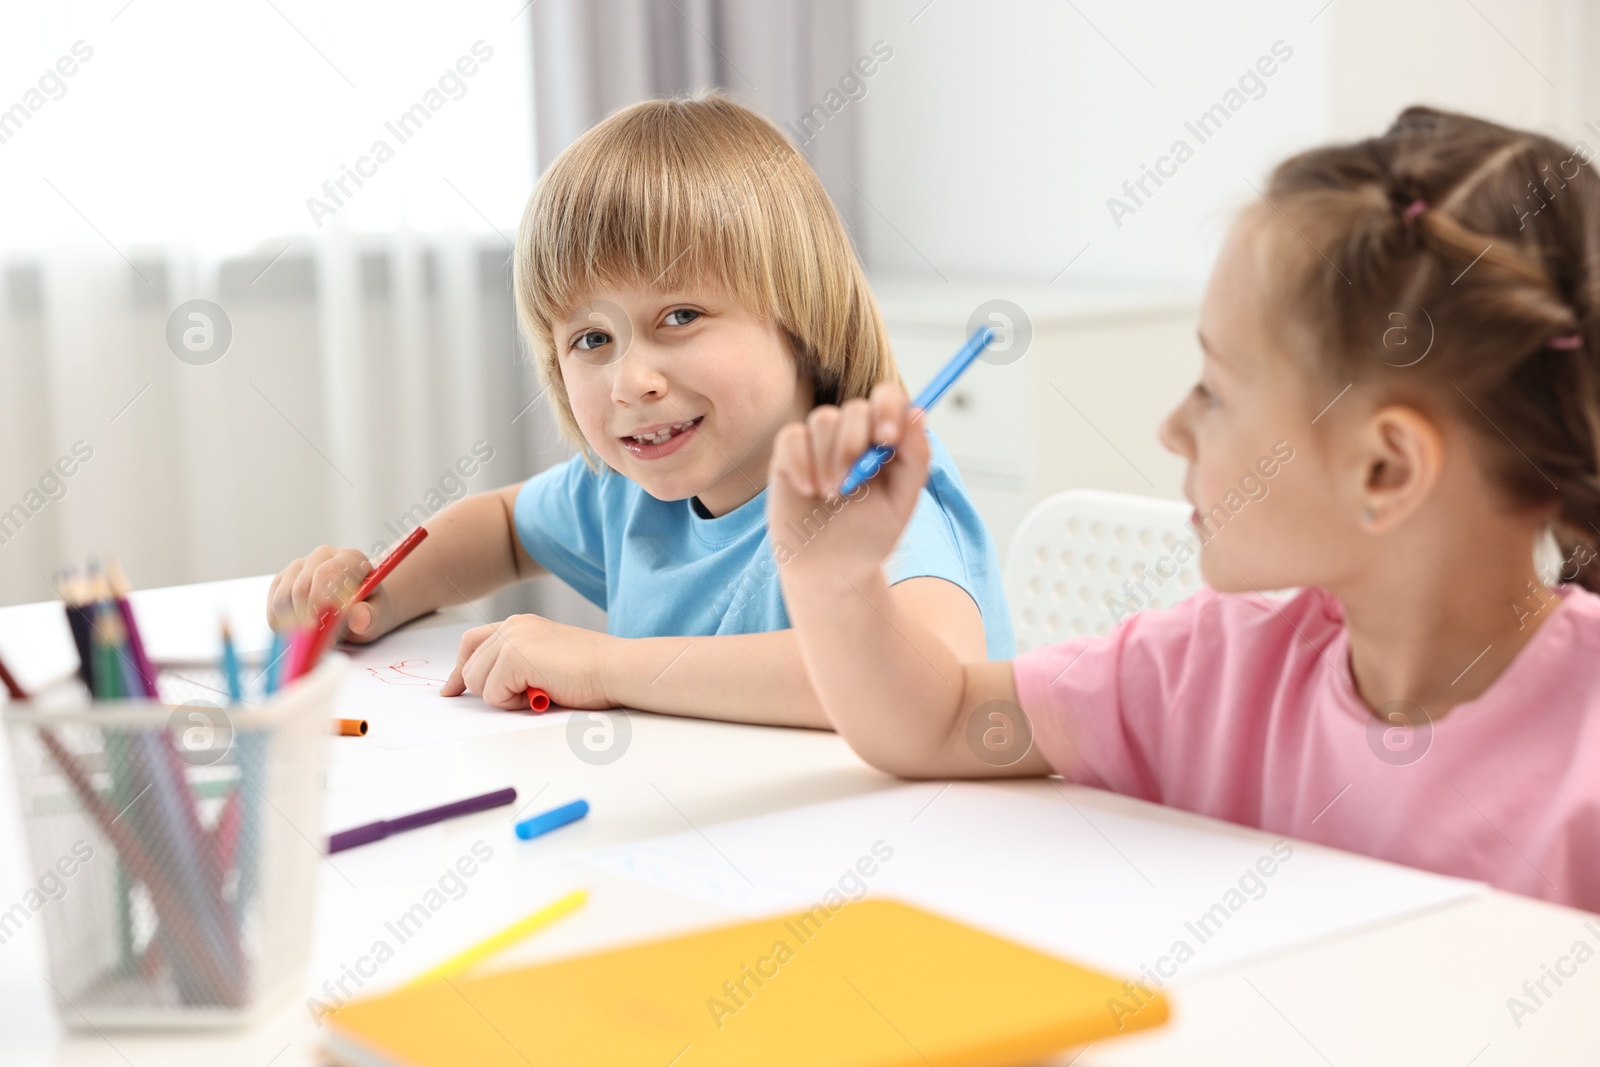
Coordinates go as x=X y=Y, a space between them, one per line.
x=873 y=459
x=553 y=819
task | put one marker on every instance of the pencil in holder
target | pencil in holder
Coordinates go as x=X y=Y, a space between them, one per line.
x=175 y=845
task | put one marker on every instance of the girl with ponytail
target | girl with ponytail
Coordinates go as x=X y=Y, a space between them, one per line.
x=1414 y=320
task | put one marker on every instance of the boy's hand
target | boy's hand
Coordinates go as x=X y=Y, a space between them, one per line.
x=827 y=534
x=325 y=580
x=501 y=661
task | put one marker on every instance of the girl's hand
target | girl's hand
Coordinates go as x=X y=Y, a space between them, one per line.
x=828 y=535
x=501 y=661
x=325 y=580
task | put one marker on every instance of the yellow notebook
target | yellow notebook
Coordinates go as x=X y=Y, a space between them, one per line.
x=874 y=984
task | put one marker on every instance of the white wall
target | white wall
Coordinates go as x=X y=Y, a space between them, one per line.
x=995 y=135
x=999 y=130
x=1522 y=62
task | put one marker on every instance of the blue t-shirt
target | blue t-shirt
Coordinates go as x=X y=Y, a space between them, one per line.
x=659 y=569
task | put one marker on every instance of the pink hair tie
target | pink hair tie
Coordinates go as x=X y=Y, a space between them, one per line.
x=1566 y=343
x=1417 y=207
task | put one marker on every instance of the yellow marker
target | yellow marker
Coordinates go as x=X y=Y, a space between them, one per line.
x=505 y=938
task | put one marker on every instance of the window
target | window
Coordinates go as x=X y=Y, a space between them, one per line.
x=221 y=126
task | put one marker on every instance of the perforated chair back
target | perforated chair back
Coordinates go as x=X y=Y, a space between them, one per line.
x=1085 y=559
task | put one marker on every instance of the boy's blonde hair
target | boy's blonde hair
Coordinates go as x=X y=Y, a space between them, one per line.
x=697 y=191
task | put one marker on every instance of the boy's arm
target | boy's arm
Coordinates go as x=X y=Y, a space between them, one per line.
x=754 y=678
x=762 y=678
x=471 y=550
x=904 y=700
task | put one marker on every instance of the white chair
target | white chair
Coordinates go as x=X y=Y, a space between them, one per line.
x=1085 y=559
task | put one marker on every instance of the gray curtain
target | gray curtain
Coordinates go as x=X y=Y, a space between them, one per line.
x=781 y=57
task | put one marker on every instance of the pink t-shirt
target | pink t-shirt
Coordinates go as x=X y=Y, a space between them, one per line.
x=1243 y=709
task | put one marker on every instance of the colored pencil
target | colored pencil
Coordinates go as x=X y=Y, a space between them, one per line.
x=161 y=844
x=250 y=747
x=13 y=690
x=104 y=682
x=75 y=595
x=230 y=666
x=250 y=752
x=211 y=979
x=118 y=584
x=135 y=778
x=152 y=767
x=505 y=938
x=226 y=834
x=272 y=670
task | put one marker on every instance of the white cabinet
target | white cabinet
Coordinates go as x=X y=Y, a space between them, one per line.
x=1079 y=408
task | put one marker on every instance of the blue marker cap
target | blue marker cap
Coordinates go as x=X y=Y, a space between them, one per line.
x=553 y=819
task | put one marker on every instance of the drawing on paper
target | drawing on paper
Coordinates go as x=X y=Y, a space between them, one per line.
x=404 y=673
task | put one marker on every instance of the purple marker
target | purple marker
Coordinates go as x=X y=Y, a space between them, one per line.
x=377 y=831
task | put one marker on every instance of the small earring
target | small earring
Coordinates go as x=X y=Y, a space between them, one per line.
x=1367 y=517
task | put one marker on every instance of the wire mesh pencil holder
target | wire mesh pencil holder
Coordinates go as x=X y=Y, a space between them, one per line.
x=175 y=846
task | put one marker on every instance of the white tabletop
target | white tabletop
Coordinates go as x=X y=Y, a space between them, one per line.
x=1429 y=989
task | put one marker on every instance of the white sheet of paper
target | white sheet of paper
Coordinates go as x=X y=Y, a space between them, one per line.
x=394 y=685
x=1042 y=865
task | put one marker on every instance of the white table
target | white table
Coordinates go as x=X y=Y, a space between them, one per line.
x=1430 y=989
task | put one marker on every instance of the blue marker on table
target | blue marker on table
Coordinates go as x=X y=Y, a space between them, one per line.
x=873 y=459
x=553 y=819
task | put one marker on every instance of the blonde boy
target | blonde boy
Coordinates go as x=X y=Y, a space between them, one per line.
x=688 y=290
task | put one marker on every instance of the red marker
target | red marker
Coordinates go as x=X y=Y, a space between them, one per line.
x=538 y=699
x=390 y=562
x=308 y=645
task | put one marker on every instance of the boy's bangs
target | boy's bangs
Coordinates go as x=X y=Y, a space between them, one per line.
x=651 y=215
x=688 y=195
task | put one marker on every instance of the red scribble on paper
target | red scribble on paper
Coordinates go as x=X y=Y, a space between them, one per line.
x=403 y=673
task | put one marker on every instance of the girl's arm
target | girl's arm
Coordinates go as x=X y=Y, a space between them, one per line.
x=904 y=700
x=472 y=549
x=900 y=697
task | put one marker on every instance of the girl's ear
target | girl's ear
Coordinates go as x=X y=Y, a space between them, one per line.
x=1404 y=457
